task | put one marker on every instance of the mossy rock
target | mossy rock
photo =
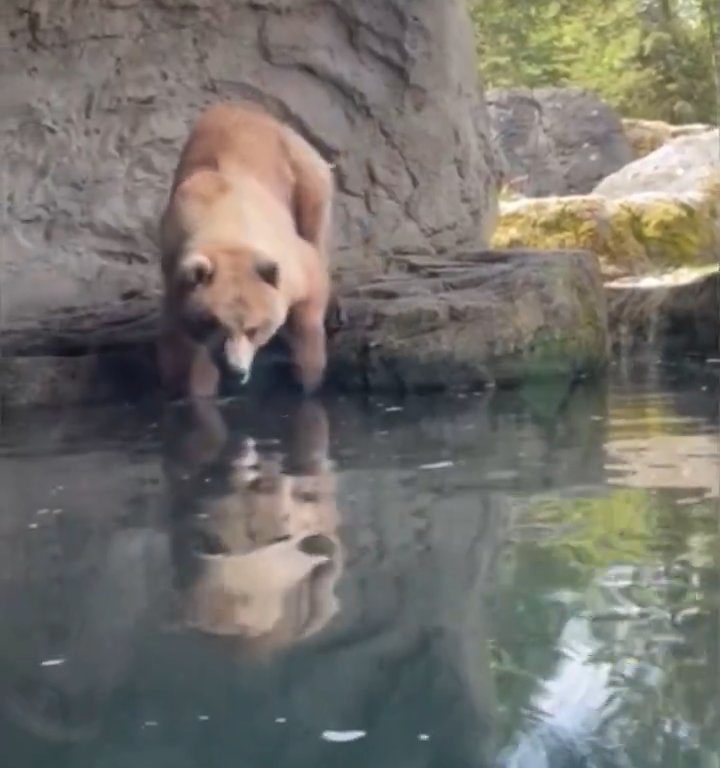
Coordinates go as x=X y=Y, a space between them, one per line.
x=631 y=236
x=673 y=231
x=505 y=317
x=577 y=222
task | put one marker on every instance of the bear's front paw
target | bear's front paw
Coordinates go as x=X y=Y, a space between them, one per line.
x=310 y=378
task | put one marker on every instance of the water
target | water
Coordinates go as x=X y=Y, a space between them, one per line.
x=520 y=579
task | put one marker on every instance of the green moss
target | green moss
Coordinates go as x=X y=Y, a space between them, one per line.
x=552 y=223
x=634 y=235
x=623 y=251
x=676 y=232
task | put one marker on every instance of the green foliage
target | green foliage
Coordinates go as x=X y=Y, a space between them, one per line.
x=648 y=58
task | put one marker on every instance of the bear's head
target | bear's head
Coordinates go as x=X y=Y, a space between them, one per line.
x=227 y=298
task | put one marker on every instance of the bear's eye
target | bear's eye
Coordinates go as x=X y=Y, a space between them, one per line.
x=196 y=270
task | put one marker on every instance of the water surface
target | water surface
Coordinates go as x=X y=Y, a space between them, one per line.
x=517 y=579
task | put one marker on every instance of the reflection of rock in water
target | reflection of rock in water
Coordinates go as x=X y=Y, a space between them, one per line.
x=256 y=544
x=690 y=462
x=410 y=650
x=77 y=580
x=75 y=634
x=669 y=441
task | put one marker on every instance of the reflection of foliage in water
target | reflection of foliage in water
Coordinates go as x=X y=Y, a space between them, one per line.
x=600 y=532
x=624 y=605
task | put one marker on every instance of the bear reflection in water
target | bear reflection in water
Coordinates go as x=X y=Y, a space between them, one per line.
x=255 y=535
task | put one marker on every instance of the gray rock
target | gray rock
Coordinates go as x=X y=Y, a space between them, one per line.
x=89 y=378
x=531 y=163
x=428 y=324
x=98 y=97
x=674 y=318
x=684 y=164
x=480 y=318
x=675 y=313
x=558 y=141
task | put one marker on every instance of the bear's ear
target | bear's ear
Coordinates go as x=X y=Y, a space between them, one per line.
x=268 y=271
x=196 y=269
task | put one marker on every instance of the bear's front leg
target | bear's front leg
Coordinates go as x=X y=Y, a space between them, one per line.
x=204 y=377
x=307 y=344
x=186 y=368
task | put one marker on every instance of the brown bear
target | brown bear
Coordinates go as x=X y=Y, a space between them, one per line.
x=244 y=240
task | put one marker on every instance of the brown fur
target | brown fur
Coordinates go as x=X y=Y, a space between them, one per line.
x=272 y=553
x=244 y=241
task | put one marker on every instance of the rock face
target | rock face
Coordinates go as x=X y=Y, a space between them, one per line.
x=98 y=97
x=455 y=323
x=557 y=141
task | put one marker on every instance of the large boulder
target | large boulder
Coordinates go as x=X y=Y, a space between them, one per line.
x=659 y=212
x=557 y=141
x=476 y=319
x=98 y=97
x=678 y=185
x=686 y=164
x=655 y=227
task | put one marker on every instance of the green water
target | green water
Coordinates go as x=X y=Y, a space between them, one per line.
x=520 y=579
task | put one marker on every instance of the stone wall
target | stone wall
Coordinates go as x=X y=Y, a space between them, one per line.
x=99 y=94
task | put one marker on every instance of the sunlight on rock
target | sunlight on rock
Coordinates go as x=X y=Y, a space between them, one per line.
x=674 y=277
x=668 y=461
x=645 y=136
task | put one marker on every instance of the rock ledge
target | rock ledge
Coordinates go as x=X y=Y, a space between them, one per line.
x=459 y=323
